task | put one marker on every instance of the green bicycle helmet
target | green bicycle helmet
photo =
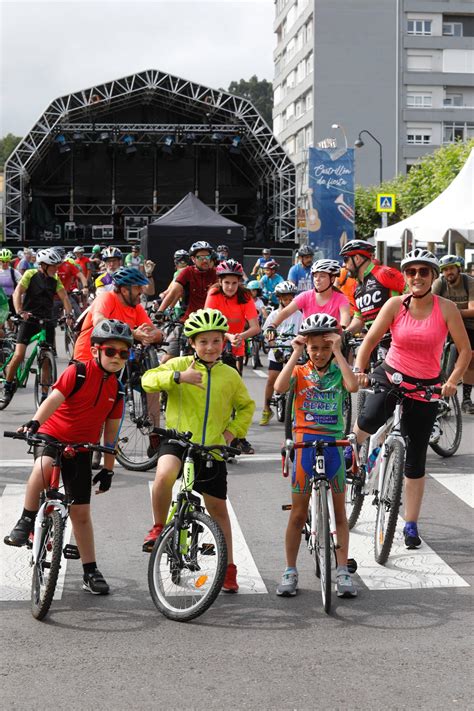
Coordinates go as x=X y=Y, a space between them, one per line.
x=96 y=249
x=449 y=260
x=204 y=320
x=6 y=255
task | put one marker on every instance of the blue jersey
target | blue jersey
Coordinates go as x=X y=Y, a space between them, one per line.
x=268 y=286
x=301 y=276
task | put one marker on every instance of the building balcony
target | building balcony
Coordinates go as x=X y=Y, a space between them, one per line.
x=436 y=42
x=449 y=113
x=450 y=79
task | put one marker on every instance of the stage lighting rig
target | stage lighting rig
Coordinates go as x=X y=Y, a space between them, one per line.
x=168 y=144
x=235 y=145
x=130 y=147
x=62 y=144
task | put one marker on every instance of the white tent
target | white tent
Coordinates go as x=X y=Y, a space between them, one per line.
x=450 y=217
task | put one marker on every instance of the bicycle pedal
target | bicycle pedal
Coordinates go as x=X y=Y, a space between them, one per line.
x=351 y=565
x=286 y=507
x=71 y=552
x=208 y=549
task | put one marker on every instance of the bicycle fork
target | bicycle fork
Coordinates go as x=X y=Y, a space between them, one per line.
x=40 y=521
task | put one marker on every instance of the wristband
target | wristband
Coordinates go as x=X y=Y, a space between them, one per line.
x=356 y=370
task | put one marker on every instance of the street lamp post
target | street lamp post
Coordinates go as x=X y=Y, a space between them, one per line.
x=338 y=125
x=359 y=143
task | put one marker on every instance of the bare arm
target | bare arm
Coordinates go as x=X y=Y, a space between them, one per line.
x=469 y=312
x=110 y=439
x=252 y=330
x=344 y=315
x=18 y=297
x=356 y=325
x=282 y=383
x=48 y=407
x=175 y=292
x=283 y=314
x=379 y=327
x=65 y=300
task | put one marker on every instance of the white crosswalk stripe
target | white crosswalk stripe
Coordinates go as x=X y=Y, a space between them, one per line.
x=461 y=484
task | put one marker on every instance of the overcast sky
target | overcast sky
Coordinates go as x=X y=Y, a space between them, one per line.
x=53 y=48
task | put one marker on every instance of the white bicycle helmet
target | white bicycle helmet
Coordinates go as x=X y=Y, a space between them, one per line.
x=50 y=256
x=319 y=323
x=111 y=253
x=197 y=246
x=330 y=266
x=420 y=256
x=285 y=287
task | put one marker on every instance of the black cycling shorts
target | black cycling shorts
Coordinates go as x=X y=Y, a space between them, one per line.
x=27 y=330
x=274 y=365
x=418 y=418
x=212 y=481
x=76 y=473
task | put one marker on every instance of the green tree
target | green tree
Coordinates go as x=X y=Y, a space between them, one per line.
x=427 y=179
x=259 y=92
x=7 y=144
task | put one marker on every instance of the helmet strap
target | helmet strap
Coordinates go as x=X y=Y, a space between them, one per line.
x=421 y=296
x=331 y=284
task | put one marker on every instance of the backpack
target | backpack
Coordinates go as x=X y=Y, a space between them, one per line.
x=465 y=283
x=81 y=379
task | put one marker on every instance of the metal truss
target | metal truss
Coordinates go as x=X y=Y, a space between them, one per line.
x=205 y=109
x=104 y=210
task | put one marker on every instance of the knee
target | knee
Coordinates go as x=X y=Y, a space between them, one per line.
x=298 y=519
x=80 y=517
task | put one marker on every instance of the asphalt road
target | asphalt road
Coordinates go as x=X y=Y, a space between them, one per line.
x=405 y=642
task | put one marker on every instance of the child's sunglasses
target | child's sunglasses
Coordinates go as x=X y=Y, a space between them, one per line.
x=422 y=271
x=110 y=352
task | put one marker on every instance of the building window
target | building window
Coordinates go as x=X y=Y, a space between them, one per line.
x=419 y=62
x=452 y=29
x=419 y=101
x=299 y=109
x=300 y=71
x=309 y=100
x=309 y=136
x=309 y=63
x=419 y=27
x=453 y=132
x=309 y=30
x=419 y=139
x=453 y=100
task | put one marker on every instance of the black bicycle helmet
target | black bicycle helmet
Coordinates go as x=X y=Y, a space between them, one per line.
x=110 y=329
x=305 y=251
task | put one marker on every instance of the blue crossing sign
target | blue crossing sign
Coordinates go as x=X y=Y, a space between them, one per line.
x=385 y=202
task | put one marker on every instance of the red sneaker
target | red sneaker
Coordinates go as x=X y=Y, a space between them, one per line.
x=230 y=584
x=151 y=537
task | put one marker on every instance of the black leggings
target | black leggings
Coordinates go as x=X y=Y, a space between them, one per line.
x=418 y=418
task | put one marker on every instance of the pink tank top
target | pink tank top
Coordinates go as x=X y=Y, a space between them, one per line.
x=417 y=345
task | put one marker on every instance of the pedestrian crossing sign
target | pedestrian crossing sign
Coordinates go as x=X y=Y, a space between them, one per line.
x=385 y=202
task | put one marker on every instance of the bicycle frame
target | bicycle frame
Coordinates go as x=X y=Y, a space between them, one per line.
x=53 y=500
x=389 y=431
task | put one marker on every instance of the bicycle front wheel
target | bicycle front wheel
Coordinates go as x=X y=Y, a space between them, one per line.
x=134 y=449
x=46 y=568
x=389 y=499
x=290 y=398
x=46 y=374
x=185 y=578
x=447 y=430
x=347 y=413
x=69 y=340
x=256 y=354
x=323 y=545
x=280 y=407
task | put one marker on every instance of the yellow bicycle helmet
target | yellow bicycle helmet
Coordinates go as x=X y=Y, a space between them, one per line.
x=204 y=320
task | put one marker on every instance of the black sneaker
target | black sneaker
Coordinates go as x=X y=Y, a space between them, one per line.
x=7 y=394
x=20 y=533
x=246 y=447
x=95 y=583
x=410 y=533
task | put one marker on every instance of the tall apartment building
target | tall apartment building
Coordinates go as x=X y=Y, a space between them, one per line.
x=401 y=69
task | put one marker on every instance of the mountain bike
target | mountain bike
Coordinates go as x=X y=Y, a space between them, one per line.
x=44 y=368
x=380 y=474
x=447 y=429
x=189 y=559
x=134 y=450
x=320 y=527
x=48 y=535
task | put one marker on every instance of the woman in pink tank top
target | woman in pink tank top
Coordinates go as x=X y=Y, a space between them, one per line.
x=324 y=298
x=419 y=323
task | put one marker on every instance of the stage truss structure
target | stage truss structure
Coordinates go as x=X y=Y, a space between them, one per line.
x=213 y=111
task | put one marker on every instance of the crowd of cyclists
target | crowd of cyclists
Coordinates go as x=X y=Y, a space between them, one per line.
x=202 y=324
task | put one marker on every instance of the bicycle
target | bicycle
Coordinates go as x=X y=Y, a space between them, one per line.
x=189 y=559
x=134 y=451
x=48 y=536
x=381 y=473
x=45 y=368
x=320 y=527
x=447 y=430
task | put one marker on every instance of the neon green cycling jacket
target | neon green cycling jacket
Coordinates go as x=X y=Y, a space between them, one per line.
x=206 y=411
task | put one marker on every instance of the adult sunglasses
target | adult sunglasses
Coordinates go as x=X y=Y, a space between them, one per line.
x=110 y=352
x=203 y=257
x=422 y=271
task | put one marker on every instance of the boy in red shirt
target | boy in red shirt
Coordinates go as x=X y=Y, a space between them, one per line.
x=71 y=414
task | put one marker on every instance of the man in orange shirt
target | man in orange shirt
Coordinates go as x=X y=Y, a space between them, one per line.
x=347 y=285
x=122 y=304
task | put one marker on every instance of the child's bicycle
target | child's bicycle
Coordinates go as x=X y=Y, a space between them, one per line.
x=380 y=473
x=320 y=527
x=45 y=367
x=47 y=540
x=189 y=559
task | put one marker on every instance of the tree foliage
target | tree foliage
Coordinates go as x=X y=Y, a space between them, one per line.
x=258 y=91
x=7 y=144
x=428 y=178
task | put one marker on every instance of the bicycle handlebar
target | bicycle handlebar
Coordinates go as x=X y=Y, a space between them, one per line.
x=185 y=438
x=429 y=390
x=42 y=439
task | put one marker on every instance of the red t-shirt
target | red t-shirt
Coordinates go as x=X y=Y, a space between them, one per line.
x=81 y=416
x=84 y=264
x=68 y=274
x=108 y=304
x=195 y=284
x=235 y=313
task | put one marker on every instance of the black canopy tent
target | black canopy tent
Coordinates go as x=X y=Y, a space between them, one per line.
x=187 y=222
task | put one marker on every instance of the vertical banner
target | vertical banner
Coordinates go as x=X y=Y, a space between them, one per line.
x=330 y=215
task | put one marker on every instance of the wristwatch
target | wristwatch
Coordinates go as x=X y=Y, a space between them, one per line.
x=356 y=370
x=177 y=377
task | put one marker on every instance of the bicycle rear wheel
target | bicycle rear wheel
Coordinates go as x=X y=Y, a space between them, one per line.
x=289 y=414
x=46 y=568
x=46 y=374
x=184 y=585
x=134 y=450
x=323 y=545
x=389 y=499
x=347 y=413
x=280 y=407
x=354 y=498
x=447 y=430
x=256 y=354
x=69 y=340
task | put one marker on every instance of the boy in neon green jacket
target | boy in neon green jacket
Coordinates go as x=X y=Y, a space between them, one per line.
x=203 y=394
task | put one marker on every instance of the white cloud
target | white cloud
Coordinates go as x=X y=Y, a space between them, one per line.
x=54 y=48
